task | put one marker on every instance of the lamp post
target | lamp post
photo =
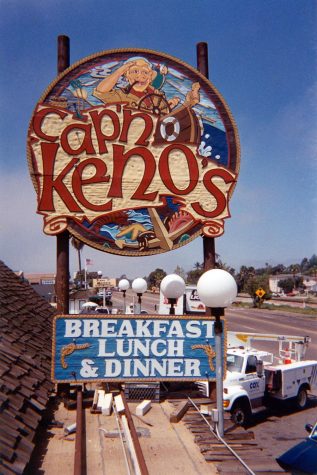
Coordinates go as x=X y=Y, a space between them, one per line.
x=104 y=290
x=217 y=289
x=172 y=287
x=139 y=286
x=123 y=286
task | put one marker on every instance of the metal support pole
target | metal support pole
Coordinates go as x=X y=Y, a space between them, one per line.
x=124 y=302
x=217 y=313
x=139 y=303
x=62 y=245
x=172 y=303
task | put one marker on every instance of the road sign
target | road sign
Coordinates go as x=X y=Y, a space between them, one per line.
x=260 y=292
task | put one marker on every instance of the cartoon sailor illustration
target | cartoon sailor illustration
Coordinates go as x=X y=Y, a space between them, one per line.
x=175 y=123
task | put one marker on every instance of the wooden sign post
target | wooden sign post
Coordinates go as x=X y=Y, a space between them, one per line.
x=208 y=242
x=62 y=239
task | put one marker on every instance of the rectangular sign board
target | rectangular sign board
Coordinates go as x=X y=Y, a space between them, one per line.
x=117 y=348
x=103 y=283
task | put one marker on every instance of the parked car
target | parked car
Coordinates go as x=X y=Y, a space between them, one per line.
x=302 y=458
x=104 y=310
x=88 y=311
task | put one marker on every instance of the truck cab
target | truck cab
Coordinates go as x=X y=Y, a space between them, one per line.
x=245 y=385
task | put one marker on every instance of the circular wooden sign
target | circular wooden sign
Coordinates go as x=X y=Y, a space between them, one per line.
x=134 y=152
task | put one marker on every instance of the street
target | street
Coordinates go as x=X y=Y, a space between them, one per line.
x=253 y=320
x=276 y=322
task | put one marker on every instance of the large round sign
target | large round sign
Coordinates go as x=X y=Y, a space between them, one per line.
x=134 y=152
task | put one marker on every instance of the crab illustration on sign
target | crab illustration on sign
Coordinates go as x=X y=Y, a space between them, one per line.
x=134 y=152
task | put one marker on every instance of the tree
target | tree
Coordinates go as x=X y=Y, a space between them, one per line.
x=313 y=271
x=253 y=284
x=313 y=261
x=294 y=269
x=279 y=269
x=155 y=278
x=78 y=245
x=224 y=266
x=304 y=265
x=299 y=282
x=193 y=276
x=180 y=271
x=80 y=276
x=243 y=277
x=287 y=285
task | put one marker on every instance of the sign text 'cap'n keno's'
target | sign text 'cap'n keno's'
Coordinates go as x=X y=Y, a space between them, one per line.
x=134 y=152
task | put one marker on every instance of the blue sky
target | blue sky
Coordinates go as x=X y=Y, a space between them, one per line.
x=262 y=58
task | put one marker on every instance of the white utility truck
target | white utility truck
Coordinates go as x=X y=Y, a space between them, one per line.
x=255 y=378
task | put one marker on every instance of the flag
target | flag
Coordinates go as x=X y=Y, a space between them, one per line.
x=89 y=262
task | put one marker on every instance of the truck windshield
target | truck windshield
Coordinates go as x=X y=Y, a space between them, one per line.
x=234 y=363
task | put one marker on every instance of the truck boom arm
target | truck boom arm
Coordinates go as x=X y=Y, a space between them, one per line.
x=293 y=344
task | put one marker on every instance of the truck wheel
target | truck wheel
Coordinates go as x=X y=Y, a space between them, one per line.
x=301 y=398
x=240 y=413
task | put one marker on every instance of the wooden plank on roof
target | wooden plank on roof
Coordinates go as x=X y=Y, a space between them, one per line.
x=25 y=392
x=16 y=401
x=25 y=445
x=7 y=452
x=8 y=419
x=32 y=422
x=6 y=470
x=36 y=404
x=8 y=439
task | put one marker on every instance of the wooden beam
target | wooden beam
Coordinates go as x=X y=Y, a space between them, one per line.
x=136 y=442
x=143 y=407
x=179 y=412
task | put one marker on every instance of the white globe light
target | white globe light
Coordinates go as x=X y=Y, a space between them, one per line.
x=139 y=285
x=124 y=284
x=173 y=286
x=217 y=288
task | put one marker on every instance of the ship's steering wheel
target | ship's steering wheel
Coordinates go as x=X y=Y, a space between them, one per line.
x=154 y=103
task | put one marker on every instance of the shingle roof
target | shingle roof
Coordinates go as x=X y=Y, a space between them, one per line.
x=25 y=359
